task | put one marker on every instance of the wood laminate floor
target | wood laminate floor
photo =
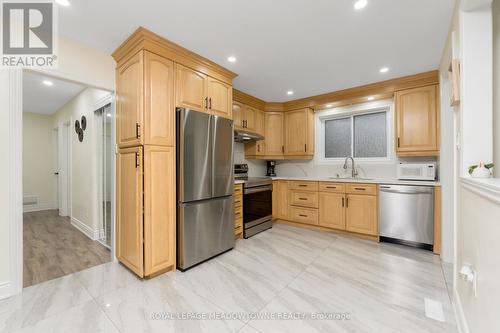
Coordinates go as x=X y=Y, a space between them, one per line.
x=52 y=248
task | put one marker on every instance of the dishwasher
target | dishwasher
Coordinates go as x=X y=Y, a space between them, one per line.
x=406 y=215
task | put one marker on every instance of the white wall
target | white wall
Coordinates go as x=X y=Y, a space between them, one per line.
x=39 y=149
x=83 y=164
x=496 y=86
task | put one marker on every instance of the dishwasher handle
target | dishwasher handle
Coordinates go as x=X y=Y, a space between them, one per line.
x=407 y=189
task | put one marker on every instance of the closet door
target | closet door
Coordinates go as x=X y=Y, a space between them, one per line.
x=129 y=203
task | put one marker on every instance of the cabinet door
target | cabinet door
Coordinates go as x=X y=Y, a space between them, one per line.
x=159 y=208
x=129 y=106
x=296 y=132
x=220 y=97
x=190 y=88
x=331 y=210
x=273 y=133
x=259 y=122
x=159 y=122
x=417 y=121
x=249 y=117
x=129 y=218
x=280 y=199
x=238 y=115
x=361 y=214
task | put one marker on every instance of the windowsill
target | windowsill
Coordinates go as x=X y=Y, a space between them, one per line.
x=486 y=187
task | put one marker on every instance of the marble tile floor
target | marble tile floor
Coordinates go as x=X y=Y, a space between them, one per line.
x=285 y=271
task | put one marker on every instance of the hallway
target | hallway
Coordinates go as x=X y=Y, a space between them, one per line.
x=53 y=248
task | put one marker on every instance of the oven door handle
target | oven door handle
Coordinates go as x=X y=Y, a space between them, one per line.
x=258 y=189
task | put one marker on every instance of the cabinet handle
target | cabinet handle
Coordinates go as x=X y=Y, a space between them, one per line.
x=302 y=215
x=210 y=103
x=282 y=149
x=398 y=142
x=206 y=102
x=302 y=198
x=347 y=202
x=360 y=189
x=342 y=202
x=334 y=187
x=258 y=148
x=136 y=160
x=302 y=185
x=137 y=130
x=305 y=147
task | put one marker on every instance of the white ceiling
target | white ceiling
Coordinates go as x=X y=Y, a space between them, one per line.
x=42 y=99
x=311 y=47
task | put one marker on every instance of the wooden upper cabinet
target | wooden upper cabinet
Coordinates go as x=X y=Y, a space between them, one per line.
x=417 y=122
x=129 y=106
x=159 y=116
x=249 y=115
x=129 y=201
x=220 y=97
x=361 y=214
x=299 y=133
x=273 y=133
x=238 y=115
x=332 y=210
x=159 y=209
x=259 y=122
x=190 y=88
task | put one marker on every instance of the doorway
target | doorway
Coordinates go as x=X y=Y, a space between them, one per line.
x=63 y=231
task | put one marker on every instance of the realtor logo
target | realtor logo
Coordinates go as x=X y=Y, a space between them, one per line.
x=28 y=34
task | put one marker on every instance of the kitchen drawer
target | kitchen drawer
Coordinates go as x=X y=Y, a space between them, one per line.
x=238 y=190
x=304 y=215
x=331 y=187
x=304 y=199
x=238 y=213
x=238 y=223
x=238 y=230
x=238 y=201
x=370 y=189
x=304 y=186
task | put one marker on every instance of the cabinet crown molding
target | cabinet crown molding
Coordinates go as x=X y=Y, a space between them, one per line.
x=143 y=39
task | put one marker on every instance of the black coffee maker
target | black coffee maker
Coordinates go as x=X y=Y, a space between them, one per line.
x=271 y=165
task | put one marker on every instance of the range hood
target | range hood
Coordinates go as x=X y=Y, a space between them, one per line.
x=246 y=136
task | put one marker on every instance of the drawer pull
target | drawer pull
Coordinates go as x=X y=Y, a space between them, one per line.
x=360 y=189
x=302 y=215
x=302 y=198
x=302 y=185
x=334 y=187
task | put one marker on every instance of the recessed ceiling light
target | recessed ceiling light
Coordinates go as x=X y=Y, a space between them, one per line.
x=231 y=59
x=360 y=4
x=64 y=3
x=289 y=92
x=384 y=70
x=48 y=83
x=371 y=98
x=329 y=105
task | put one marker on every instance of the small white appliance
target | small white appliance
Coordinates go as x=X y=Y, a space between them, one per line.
x=417 y=171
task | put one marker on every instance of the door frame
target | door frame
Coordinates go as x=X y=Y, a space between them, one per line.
x=12 y=80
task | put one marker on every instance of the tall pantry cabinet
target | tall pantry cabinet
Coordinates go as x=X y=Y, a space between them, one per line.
x=151 y=81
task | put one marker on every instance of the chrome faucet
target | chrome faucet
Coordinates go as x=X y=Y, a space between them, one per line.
x=354 y=173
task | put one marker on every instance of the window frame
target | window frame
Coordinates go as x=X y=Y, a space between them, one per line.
x=351 y=111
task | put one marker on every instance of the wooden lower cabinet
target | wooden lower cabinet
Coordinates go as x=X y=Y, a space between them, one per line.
x=361 y=214
x=280 y=199
x=238 y=210
x=332 y=210
x=303 y=215
x=146 y=212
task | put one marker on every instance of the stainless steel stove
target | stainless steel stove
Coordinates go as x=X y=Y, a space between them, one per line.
x=257 y=201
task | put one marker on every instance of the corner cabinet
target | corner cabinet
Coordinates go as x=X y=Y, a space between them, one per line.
x=417 y=121
x=153 y=77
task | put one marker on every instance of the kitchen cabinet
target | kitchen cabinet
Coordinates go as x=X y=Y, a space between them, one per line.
x=200 y=92
x=273 y=134
x=280 y=199
x=332 y=210
x=129 y=226
x=417 y=121
x=238 y=211
x=361 y=214
x=303 y=215
x=299 y=133
x=145 y=101
x=238 y=115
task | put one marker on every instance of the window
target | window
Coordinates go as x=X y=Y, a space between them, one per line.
x=361 y=135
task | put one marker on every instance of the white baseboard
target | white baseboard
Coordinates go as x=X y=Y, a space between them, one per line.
x=5 y=290
x=85 y=229
x=459 y=313
x=39 y=207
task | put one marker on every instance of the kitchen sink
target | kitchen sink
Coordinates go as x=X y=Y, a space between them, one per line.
x=350 y=178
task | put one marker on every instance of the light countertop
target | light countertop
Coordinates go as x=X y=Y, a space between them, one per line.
x=238 y=181
x=364 y=181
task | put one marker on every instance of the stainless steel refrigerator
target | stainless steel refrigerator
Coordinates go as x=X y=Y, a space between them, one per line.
x=205 y=214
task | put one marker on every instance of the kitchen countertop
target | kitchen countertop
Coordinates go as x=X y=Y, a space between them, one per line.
x=238 y=181
x=364 y=181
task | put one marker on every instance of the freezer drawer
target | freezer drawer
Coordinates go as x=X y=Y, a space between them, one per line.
x=406 y=215
x=205 y=229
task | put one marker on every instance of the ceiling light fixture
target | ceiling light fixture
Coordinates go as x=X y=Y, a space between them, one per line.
x=371 y=98
x=384 y=70
x=64 y=3
x=48 y=83
x=360 y=4
x=289 y=92
x=231 y=59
